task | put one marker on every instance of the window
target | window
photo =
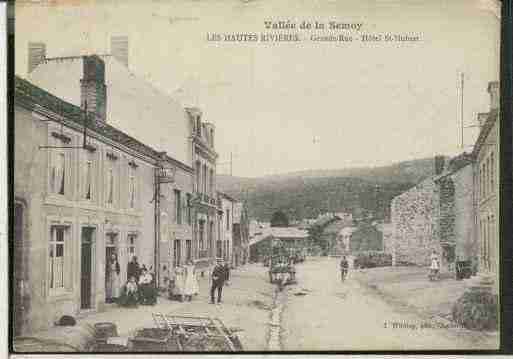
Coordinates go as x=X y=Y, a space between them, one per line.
x=488 y=176
x=131 y=187
x=188 y=249
x=228 y=219
x=88 y=180
x=211 y=183
x=492 y=173
x=58 y=173
x=189 y=205
x=483 y=182
x=177 y=252
x=204 y=179
x=219 y=249
x=201 y=235
x=211 y=238
x=56 y=257
x=178 y=207
x=198 y=176
x=110 y=186
x=132 y=249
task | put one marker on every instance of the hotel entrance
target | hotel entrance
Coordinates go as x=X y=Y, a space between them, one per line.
x=86 y=268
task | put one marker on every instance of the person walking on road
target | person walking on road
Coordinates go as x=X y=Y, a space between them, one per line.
x=220 y=274
x=344 y=265
x=434 y=270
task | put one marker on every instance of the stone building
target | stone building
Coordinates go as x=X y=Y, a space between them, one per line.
x=414 y=215
x=486 y=189
x=386 y=230
x=76 y=203
x=456 y=213
x=240 y=234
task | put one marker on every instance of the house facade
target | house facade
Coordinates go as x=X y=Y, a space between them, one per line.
x=225 y=240
x=76 y=203
x=486 y=189
x=240 y=234
x=207 y=210
x=132 y=104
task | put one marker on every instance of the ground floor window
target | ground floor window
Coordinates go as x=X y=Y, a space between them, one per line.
x=211 y=238
x=188 y=249
x=57 y=257
x=177 y=252
x=219 y=249
x=132 y=246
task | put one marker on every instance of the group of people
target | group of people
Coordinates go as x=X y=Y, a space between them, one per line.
x=140 y=286
x=182 y=282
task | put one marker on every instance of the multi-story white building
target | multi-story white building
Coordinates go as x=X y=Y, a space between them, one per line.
x=486 y=187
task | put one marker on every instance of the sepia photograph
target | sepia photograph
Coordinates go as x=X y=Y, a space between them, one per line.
x=255 y=176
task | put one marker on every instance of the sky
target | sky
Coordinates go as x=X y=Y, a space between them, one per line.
x=282 y=107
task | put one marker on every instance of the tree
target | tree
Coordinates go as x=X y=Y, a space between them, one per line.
x=279 y=219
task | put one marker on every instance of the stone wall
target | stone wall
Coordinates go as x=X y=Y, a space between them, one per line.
x=467 y=247
x=414 y=216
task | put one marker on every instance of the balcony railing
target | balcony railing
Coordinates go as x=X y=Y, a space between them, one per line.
x=206 y=199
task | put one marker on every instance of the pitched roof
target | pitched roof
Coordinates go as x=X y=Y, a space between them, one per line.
x=336 y=226
x=288 y=233
x=455 y=164
x=30 y=95
x=134 y=105
x=493 y=115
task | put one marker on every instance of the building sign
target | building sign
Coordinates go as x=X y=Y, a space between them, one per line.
x=166 y=175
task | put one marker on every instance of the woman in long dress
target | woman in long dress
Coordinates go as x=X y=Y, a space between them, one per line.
x=113 y=284
x=191 y=284
x=179 y=283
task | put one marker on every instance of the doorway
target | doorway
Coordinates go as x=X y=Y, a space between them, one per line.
x=111 y=248
x=86 y=274
x=188 y=250
x=20 y=299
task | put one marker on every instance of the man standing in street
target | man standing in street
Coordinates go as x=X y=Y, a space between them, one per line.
x=344 y=265
x=219 y=276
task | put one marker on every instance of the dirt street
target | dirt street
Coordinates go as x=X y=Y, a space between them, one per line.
x=322 y=313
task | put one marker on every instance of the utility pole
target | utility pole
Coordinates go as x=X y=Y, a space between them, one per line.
x=461 y=111
x=157 y=228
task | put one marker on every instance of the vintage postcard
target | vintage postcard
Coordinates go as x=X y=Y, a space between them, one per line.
x=255 y=175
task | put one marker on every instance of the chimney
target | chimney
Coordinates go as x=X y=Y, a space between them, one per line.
x=36 y=54
x=439 y=164
x=92 y=86
x=119 y=48
x=493 y=90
